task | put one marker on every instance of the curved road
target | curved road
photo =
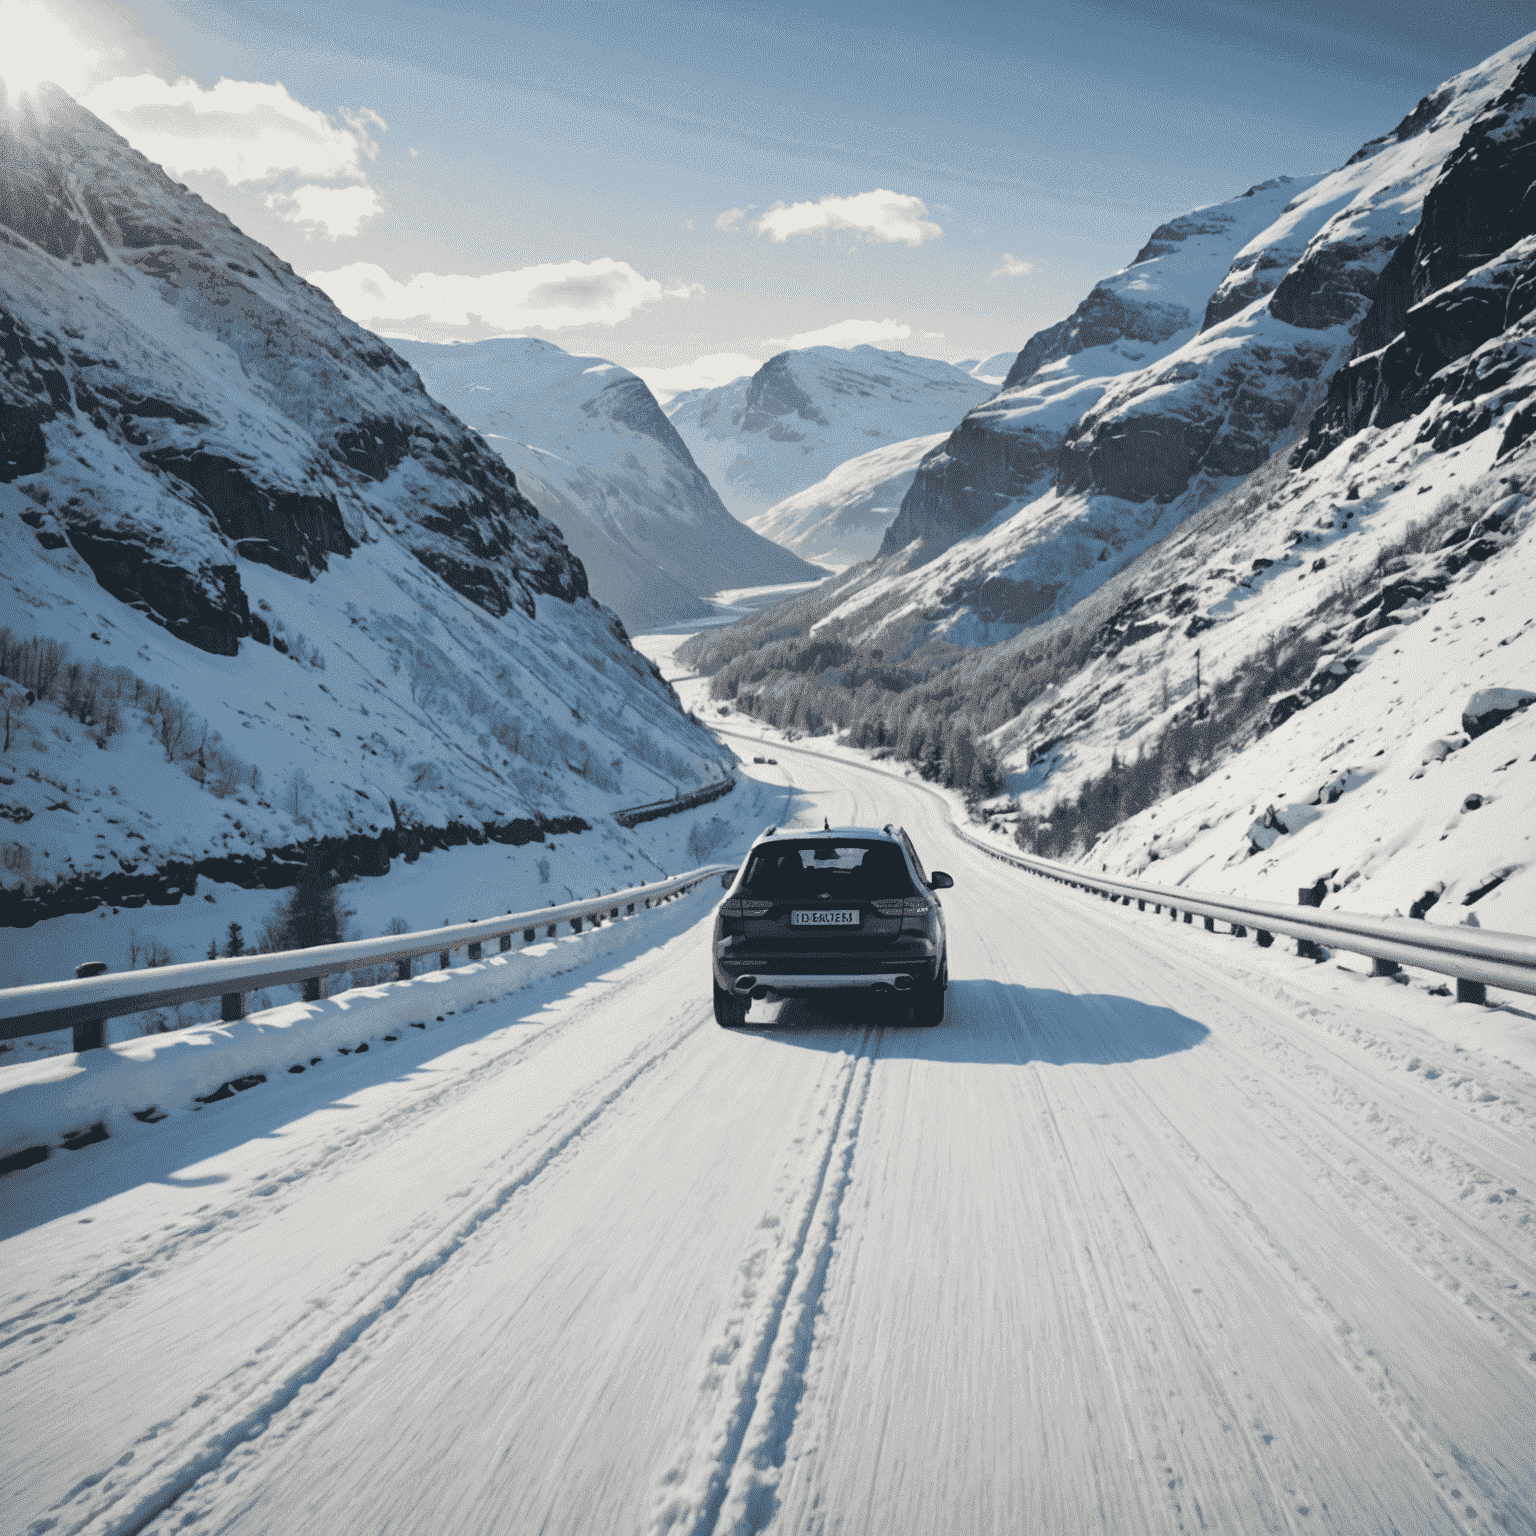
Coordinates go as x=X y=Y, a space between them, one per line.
x=1137 y=1241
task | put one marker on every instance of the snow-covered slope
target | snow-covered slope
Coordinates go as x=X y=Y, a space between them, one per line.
x=1172 y=380
x=593 y=451
x=990 y=370
x=1325 y=673
x=306 y=607
x=805 y=412
x=840 y=520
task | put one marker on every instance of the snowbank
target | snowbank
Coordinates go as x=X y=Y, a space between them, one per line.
x=60 y=1099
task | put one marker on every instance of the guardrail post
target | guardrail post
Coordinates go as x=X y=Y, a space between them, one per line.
x=629 y=911
x=1264 y=937
x=314 y=988
x=402 y=970
x=231 y=1007
x=552 y=930
x=528 y=935
x=1238 y=931
x=1141 y=906
x=91 y=1034
x=1384 y=967
x=1189 y=917
x=474 y=951
x=1307 y=949
x=614 y=913
x=1470 y=991
x=575 y=925
x=442 y=954
x=1210 y=925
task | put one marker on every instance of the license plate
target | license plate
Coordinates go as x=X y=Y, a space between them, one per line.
x=833 y=917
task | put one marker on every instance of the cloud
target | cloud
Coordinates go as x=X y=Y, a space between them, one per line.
x=733 y=216
x=847 y=333
x=549 y=297
x=242 y=130
x=338 y=211
x=707 y=372
x=1013 y=267
x=877 y=215
x=41 y=46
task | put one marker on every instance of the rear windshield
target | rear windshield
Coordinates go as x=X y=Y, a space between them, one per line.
x=844 y=870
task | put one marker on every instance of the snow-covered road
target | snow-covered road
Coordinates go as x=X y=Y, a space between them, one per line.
x=1151 y=1235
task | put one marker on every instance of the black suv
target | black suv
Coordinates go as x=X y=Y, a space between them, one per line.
x=846 y=908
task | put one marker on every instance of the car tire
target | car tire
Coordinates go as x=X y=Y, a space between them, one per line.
x=928 y=1002
x=730 y=1009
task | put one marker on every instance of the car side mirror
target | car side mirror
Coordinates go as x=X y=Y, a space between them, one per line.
x=939 y=881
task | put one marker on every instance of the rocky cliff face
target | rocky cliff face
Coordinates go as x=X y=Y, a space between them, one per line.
x=334 y=412
x=805 y=412
x=1009 y=448
x=1171 y=382
x=594 y=452
x=263 y=590
x=1449 y=319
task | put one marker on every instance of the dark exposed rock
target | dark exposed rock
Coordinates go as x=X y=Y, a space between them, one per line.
x=965 y=482
x=1482 y=205
x=373 y=447
x=1103 y=317
x=1490 y=707
x=288 y=530
x=206 y=608
x=1331 y=285
x=342 y=858
x=1428 y=109
x=772 y=396
x=1139 y=458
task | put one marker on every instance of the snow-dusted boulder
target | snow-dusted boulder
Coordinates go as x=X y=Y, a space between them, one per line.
x=1489 y=707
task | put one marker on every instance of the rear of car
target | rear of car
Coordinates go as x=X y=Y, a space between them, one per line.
x=844 y=909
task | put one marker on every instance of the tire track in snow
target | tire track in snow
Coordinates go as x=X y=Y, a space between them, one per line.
x=123 y=1499
x=1355 y=1355
x=756 y=1375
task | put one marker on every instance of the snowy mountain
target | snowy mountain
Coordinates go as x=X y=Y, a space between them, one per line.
x=803 y=413
x=1322 y=677
x=840 y=520
x=268 y=596
x=990 y=370
x=592 y=450
x=1171 y=381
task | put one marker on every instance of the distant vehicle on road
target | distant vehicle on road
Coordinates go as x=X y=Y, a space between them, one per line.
x=843 y=909
x=772 y=760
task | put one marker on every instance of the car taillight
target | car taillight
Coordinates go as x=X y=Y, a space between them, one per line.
x=905 y=906
x=742 y=906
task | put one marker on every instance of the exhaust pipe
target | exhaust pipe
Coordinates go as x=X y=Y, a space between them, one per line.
x=903 y=983
x=745 y=983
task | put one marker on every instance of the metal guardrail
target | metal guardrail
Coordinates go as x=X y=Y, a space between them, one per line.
x=86 y=1003
x=659 y=808
x=1477 y=957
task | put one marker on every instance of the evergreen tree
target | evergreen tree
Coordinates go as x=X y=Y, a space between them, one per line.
x=234 y=941
x=309 y=917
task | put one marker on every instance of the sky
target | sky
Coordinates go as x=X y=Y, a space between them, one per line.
x=688 y=188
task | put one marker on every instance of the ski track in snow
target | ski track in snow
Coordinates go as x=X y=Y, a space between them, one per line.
x=1150 y=1235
